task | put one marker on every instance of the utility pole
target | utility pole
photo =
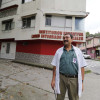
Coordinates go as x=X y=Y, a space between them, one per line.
x=86 y=47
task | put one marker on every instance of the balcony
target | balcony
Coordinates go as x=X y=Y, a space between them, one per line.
x=8 y=3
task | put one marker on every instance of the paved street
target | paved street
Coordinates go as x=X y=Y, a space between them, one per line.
x=94 y=65
x=23 y=82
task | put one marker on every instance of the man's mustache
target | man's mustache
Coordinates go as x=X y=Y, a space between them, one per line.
x=65 y=40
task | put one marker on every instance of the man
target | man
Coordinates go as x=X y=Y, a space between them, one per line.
x=68 y=70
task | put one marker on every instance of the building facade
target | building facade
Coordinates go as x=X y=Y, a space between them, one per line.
x=32 y=30
x=91 y=47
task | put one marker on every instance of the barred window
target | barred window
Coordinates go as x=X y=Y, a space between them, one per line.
x=8 y=48
x=8 y=25
x=28 y=22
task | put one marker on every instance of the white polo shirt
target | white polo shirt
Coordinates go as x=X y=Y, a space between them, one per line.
x=81 y=63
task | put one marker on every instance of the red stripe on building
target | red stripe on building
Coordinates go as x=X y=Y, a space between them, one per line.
x=42 y=47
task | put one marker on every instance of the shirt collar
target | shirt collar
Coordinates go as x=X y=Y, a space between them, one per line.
x=72 y=49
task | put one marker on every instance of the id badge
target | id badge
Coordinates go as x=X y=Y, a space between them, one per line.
x=74 y=60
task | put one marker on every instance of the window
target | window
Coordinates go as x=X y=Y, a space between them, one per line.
x=58 y=21
x=88 y=42
x=48 y=20
x=83 y=44
x=28 y=22
x=0 y=3
x=8 y=48
x=7 y=25
x=79 y=45
x=68 y=23
x=99 y=40
x=79 y=24
x=24 y=1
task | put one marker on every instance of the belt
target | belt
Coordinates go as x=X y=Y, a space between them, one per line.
x=70 y=76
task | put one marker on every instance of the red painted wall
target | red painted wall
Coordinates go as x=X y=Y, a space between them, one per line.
x=50 y=47
x=30 y=47
x=43 y=47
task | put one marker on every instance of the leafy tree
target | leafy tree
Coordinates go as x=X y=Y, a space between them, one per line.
x=87 y=34
x=97 y=34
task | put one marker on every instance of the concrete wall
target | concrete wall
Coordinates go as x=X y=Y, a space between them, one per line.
x=25 y=9
x=39 y=8
x=70 y=5
x=89 y=52
x=94 y=42
x=34 y=58
x=8 y=33
x=6 y=3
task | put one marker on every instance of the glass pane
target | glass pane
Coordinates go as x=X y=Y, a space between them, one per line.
x=28 y=22
x=68 y=22
x=58 y=21
x=48 y=21
x=8 y=48
x=24 y=23
x=79 y=24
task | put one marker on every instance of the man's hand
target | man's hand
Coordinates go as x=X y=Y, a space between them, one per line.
x=53 y=78
x=53 y=84
x=82 y=87
x=82 y=71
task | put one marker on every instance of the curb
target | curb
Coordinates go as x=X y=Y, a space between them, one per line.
x=34 y=64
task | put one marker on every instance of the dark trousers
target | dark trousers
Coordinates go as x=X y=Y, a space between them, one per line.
x=70 y=85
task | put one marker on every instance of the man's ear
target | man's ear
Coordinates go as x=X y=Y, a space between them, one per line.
x=72 y=39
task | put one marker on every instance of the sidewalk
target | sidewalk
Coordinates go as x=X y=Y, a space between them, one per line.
x=23 y=82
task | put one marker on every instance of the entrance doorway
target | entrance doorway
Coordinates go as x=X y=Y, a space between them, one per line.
x=8 y=50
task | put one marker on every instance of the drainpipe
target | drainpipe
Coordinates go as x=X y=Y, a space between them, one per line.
x=93 y=47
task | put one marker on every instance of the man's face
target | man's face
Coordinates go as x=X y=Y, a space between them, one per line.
x=67 y=40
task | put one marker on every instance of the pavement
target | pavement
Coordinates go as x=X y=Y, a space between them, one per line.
x=23 y=82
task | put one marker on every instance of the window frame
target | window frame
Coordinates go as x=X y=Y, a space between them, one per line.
x=8 y=24
x=78 y=21
x=28 y=21
x=68 y=17
x=0 y=3
x=48 y=19
x=99 y=40
x=23 y=1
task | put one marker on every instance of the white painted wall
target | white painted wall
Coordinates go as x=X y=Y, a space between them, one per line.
x=59 y=8
x=25 y=9
x=8 y=33
x=70 y=5
x=48 y=4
